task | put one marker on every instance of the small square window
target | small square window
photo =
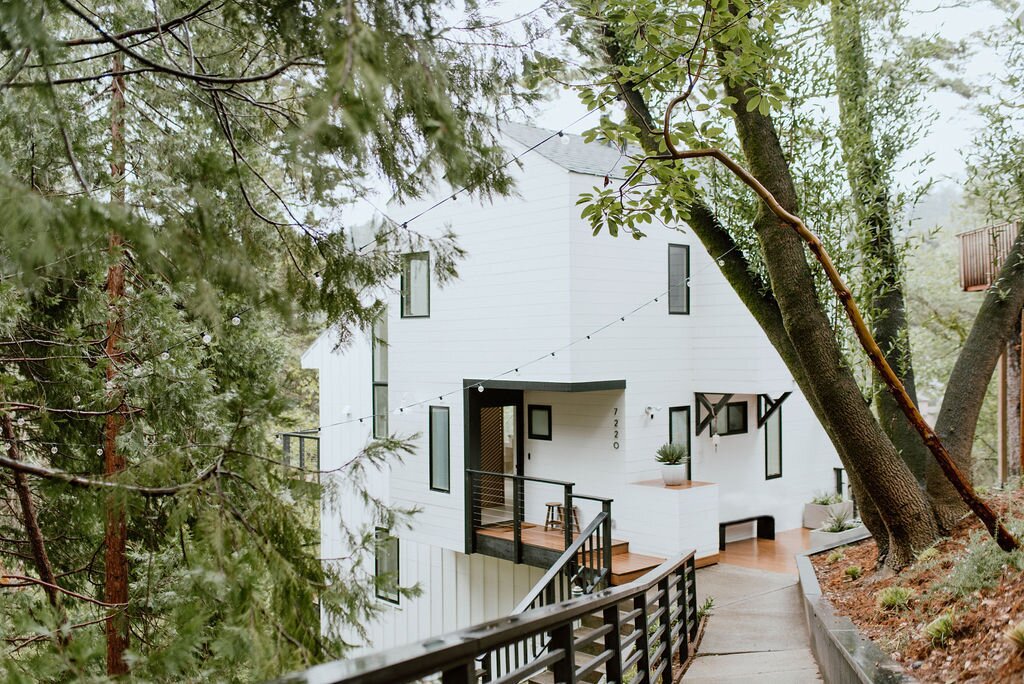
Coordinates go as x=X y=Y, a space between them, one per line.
x=540 y=422
x=732 y=420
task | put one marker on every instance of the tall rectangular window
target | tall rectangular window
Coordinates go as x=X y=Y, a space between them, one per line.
x=440 y=449
x=416 y=285
x=385 y=565
x=678 y=277
x=773 y=445
x=732 y=420
x=679 y=431
x=379 y=345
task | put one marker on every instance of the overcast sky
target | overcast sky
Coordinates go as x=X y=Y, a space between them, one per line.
x=949 y=136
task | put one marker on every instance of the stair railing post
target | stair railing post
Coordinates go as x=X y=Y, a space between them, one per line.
x=461 y=673
x=613 y=643
x=564 y=668
x=517 y=520
x=691 y=586
x=567 y=518
x=666 y=622
x=643 y=642
x=606 y=528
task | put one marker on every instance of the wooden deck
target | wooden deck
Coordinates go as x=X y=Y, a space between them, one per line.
x=772 y=555
x=626 y=566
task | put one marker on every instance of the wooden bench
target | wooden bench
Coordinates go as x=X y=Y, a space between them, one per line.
x=765 y=528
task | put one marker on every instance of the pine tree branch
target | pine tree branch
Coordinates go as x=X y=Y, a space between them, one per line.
x=79 y=481
x=155 y=28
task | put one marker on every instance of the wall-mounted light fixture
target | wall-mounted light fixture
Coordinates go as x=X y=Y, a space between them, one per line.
x=651 y=410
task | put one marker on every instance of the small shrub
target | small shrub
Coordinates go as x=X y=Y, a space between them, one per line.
x=822 y=499
x=1016 y=637
x=981 y=567
x=853 y=572
x=894 y=598
x=839 y=521
x=939 y=630
x=706 y=607
x=835 y=557
x=928 y=554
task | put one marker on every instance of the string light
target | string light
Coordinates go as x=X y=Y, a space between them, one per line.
x=207 y=338
x=76 y=400
x=236 y=320
x=99 y=452
x=53 y=450
x=165 y=355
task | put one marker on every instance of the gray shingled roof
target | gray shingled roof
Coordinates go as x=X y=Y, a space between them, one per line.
x=596 y=159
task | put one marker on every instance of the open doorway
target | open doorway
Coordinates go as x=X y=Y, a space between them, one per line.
x=494 y=444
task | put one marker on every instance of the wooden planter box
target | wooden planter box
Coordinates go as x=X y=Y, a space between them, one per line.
x=815 y=515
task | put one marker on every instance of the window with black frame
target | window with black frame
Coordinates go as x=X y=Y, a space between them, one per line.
x=679 y=432
x=385 y=565
x=732 y=419
x=678 y=279
x=773 y=445
x=440 y=449
x=379 y=344
x=415 y=285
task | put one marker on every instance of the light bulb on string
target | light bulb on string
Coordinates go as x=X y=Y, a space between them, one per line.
x=21 y=420
x=165 y=355
x=479 y=388
x=99 y=452
x=76 y=400
x=137 y=371
x=236 y=320
x=53 y=450
x=207 y=338
x=563 y=138
x=8 y=446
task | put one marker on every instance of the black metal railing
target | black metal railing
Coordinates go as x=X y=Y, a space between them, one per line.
x=301 y=449
x=636 y=629
x=496 y=509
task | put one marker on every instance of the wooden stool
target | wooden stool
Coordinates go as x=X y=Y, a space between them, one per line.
x=575 y=522
x=553 y=517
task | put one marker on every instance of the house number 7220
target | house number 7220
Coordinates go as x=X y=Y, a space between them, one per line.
x=615 y=412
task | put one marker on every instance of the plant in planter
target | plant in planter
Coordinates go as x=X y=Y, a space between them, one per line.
x=824 y=505
x=839 y=528
x=673 y=459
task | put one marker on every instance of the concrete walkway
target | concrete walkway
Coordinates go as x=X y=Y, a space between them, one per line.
x=756 y=632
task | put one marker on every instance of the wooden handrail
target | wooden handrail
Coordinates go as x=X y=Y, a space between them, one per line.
x=458 y=650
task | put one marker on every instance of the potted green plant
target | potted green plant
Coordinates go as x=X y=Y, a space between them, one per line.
x=823 y=506
x=837 y=529
x=673 y=459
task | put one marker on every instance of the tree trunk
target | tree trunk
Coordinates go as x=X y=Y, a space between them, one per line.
x=869 y=183
x=116 y=532
x=871 y=456
x=37 y=544
x=965 y=392
x=1013 y=404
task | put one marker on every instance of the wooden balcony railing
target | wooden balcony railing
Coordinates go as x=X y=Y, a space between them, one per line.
x=982 y=253
x=632 y=631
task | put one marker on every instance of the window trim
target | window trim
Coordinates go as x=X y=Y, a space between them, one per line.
x=430 y=436
x=529 y=420
x=746 y=419
x=689 y=434
x=686 y=285
x=396 y=599
x=777 y=415
x=406 y=258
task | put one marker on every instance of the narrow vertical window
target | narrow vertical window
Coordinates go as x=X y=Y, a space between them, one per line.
x=416 y=285
x=385 y=565
x=379 y=343
x=678 y=277
x=679 y=431
x=773 y=445
x=440 y=449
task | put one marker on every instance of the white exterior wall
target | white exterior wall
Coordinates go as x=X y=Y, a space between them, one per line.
x=535 y=279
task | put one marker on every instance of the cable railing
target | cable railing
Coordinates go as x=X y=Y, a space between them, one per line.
x=528 y=519
x=643 y=631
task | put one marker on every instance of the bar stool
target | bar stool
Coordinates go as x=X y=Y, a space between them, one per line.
x=575 y=522
x=553 y=517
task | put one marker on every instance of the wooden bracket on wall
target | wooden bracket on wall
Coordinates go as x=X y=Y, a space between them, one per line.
x=766 y=406
x=712 y=408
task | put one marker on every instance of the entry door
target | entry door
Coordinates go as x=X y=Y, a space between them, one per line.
x=494 y=441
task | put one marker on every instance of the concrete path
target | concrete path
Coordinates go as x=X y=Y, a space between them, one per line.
x=756 y=632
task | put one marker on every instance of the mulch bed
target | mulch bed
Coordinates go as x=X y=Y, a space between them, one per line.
x=978 y=650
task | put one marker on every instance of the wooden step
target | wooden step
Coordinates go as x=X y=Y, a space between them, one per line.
x=627 y=567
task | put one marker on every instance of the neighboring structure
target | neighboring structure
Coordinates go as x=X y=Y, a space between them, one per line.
x=982 y=253
x=693 y=367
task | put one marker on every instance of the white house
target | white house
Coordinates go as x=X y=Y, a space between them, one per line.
x=592 y=381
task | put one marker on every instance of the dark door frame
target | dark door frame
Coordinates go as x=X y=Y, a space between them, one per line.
x=472 y=401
